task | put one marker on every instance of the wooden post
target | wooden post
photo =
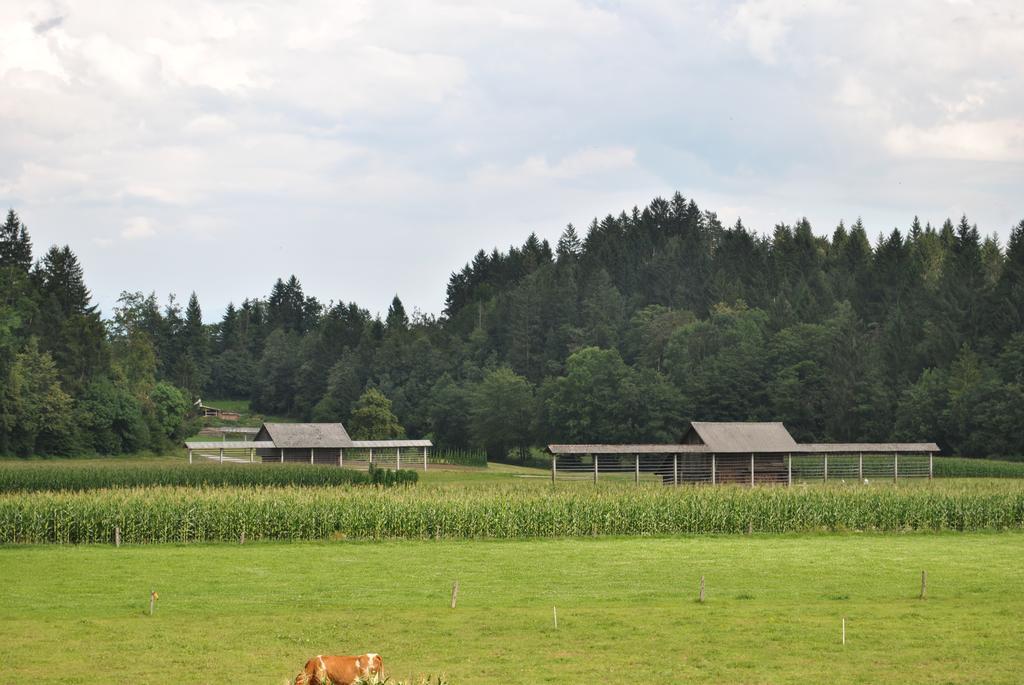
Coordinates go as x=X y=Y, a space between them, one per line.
x=312 y=450
x=252 y=454
x=554 y=468
x=700 y=595
x=751 y=470
x=713 y=469
x=455 y=593
x=398 y=458
x=554 y=611
x=931 y=466
x=595 y=468
x=895 y=467
x=860 y=466
x=371 y=456
x=222 y=455
x=282 y=455
x=789 y=470
x=636 y=477
x=341 y=457
x=117 y=536
x=424 y=458
x=675 y=469
x=924 y=584
x=190 y=456
x=826 y=467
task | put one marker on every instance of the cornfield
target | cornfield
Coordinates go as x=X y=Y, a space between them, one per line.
x=175 y=514
x=65 y=476
x=958 y=467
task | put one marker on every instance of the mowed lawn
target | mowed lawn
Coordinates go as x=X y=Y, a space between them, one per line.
x=626 y=610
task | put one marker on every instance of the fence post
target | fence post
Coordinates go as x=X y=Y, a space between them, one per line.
x=424 y=458
x=595 y=468
x=789 y=470
x=311 y=451
x=675 y=469
x=713 y=469
x=554 y=468
x=398 y=458
x=860 y=466
x=751 y=470
x=371 y=456
x=341 y=457
x=282 y=455
x=826 y=467
x=636 y=477
x=895 y=467
x=252 y=454
x=190 y=456
x=222 y=455
x=931 y=466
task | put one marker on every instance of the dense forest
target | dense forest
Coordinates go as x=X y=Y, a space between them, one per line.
x=649 y=319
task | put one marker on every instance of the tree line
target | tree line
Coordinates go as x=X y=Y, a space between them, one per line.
x=651 y=318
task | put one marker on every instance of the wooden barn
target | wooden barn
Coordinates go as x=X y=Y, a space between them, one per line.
x=314 y=443
x=747 y=453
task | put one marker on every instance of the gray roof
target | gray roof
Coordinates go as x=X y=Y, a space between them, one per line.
x=227 y=445
x=626 y=449
x=385 y=444
x=868 y=447
x=742 y=437
x=292 y=435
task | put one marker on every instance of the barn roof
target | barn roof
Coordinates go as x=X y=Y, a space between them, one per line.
x=292 y=435
x=625 y=449
x=742 y=437
x=386 y=444
x=868 y=447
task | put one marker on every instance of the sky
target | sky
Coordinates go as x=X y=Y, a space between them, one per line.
x=371 y=148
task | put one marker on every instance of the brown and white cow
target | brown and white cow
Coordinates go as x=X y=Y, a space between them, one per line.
x=341 y=670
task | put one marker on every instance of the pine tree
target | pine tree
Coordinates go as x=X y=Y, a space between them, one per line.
x=396 y=319
x=569 y=245
x=15 y=244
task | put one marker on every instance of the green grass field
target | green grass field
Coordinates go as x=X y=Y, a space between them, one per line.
x=626 y=610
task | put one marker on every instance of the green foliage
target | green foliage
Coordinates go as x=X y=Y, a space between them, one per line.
x=372 y=418
x=111 y=420
x=170 y=410
x=501 y=412
x=41 y=418
x=69 y=476
x=601 y=399
x=153 y=515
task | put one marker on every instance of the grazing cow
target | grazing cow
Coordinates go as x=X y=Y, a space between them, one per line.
x=341 y=670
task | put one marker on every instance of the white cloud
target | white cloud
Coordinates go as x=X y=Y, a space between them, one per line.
x=411 y=133
x=137 y=228
x=997 y=141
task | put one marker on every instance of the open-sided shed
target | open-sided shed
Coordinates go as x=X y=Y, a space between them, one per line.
x=743 y=452
x=316 y=443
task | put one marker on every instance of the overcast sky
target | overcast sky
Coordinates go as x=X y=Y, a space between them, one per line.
x=372 y=147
